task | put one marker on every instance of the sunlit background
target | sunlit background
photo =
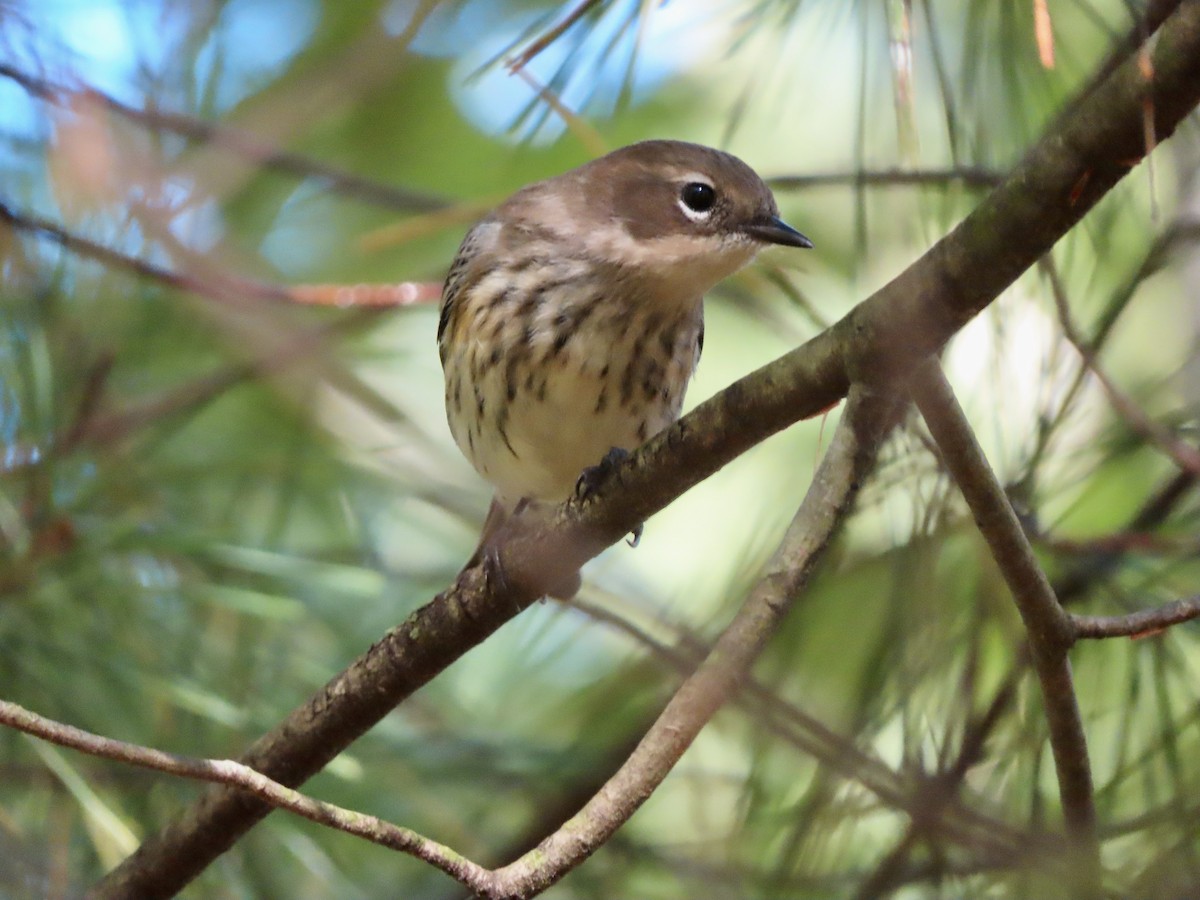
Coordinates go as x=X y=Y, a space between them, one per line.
x=213 y=499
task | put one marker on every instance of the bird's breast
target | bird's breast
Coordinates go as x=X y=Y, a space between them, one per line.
x=561 y=374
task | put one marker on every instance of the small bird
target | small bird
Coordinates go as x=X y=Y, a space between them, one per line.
x=572 y=317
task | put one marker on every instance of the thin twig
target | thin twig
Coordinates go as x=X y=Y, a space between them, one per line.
x=90 y=249
x=1140 y=624
x=234 y=141
x=961 y=823
x=970 y=176
x=583 y=130
x=1181 y=453
x=552 y=34
x=366 y=296
x=936 y=796
x=242 y=777
x=403 y=293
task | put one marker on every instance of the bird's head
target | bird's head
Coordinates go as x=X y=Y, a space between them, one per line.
x=676 y=215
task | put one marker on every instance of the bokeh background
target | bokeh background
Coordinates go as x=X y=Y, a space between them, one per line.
x=213 y=498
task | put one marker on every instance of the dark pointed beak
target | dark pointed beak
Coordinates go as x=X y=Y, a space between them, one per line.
x=773 y=230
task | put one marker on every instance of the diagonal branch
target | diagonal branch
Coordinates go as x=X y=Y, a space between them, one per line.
x=958 y=819
x=1064 y=175
x=1048 y=626
x=234 y=141
x=242 y=777
x=1181 y=452
x=218 y=287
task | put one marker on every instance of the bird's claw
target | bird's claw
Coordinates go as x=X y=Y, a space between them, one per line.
x=635 y=536
x=594 y=477
x=493 y=571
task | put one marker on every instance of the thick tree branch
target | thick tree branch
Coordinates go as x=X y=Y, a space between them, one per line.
x=1059 y=180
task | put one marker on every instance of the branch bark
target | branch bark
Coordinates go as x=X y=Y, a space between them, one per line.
x=1049 y=629
x=1143 y=623
x=1063 y=176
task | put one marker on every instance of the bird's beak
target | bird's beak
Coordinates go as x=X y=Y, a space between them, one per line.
x=773 y=230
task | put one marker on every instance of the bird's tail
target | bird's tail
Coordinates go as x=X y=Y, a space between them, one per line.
x=497 y=516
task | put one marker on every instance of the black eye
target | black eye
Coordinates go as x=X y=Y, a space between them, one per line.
x=698 y=196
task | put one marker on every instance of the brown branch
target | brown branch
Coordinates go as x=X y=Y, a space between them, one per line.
x=1155 y=257
x=1143 y=623
x=1047 y=625
x=1073 y=584
x=1068 y=588
x=404 y=293
x=235 y=141
x=89 y=249
x=882 y=338
x=1120 y=543
x=936 y=796
x=243 y=778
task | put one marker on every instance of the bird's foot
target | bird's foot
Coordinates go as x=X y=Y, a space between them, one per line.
x=594 y=477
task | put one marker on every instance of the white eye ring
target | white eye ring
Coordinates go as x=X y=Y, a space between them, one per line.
x=696 y=199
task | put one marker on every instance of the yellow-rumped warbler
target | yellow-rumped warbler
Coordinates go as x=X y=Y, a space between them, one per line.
x=571 y=319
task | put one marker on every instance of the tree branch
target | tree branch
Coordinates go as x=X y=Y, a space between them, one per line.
x=242 y=777
x=235 y=141
x=1048 y=627
x=182 y=281
x=962 y=822
x=1075 y=164
x=1143 y=623
x=1180 y=452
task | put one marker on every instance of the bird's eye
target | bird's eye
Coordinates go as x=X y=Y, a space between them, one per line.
x=698 y=197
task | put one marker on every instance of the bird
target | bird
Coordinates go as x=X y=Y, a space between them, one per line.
x=571 y=318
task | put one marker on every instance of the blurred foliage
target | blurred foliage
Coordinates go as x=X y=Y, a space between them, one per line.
x=211 y=502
